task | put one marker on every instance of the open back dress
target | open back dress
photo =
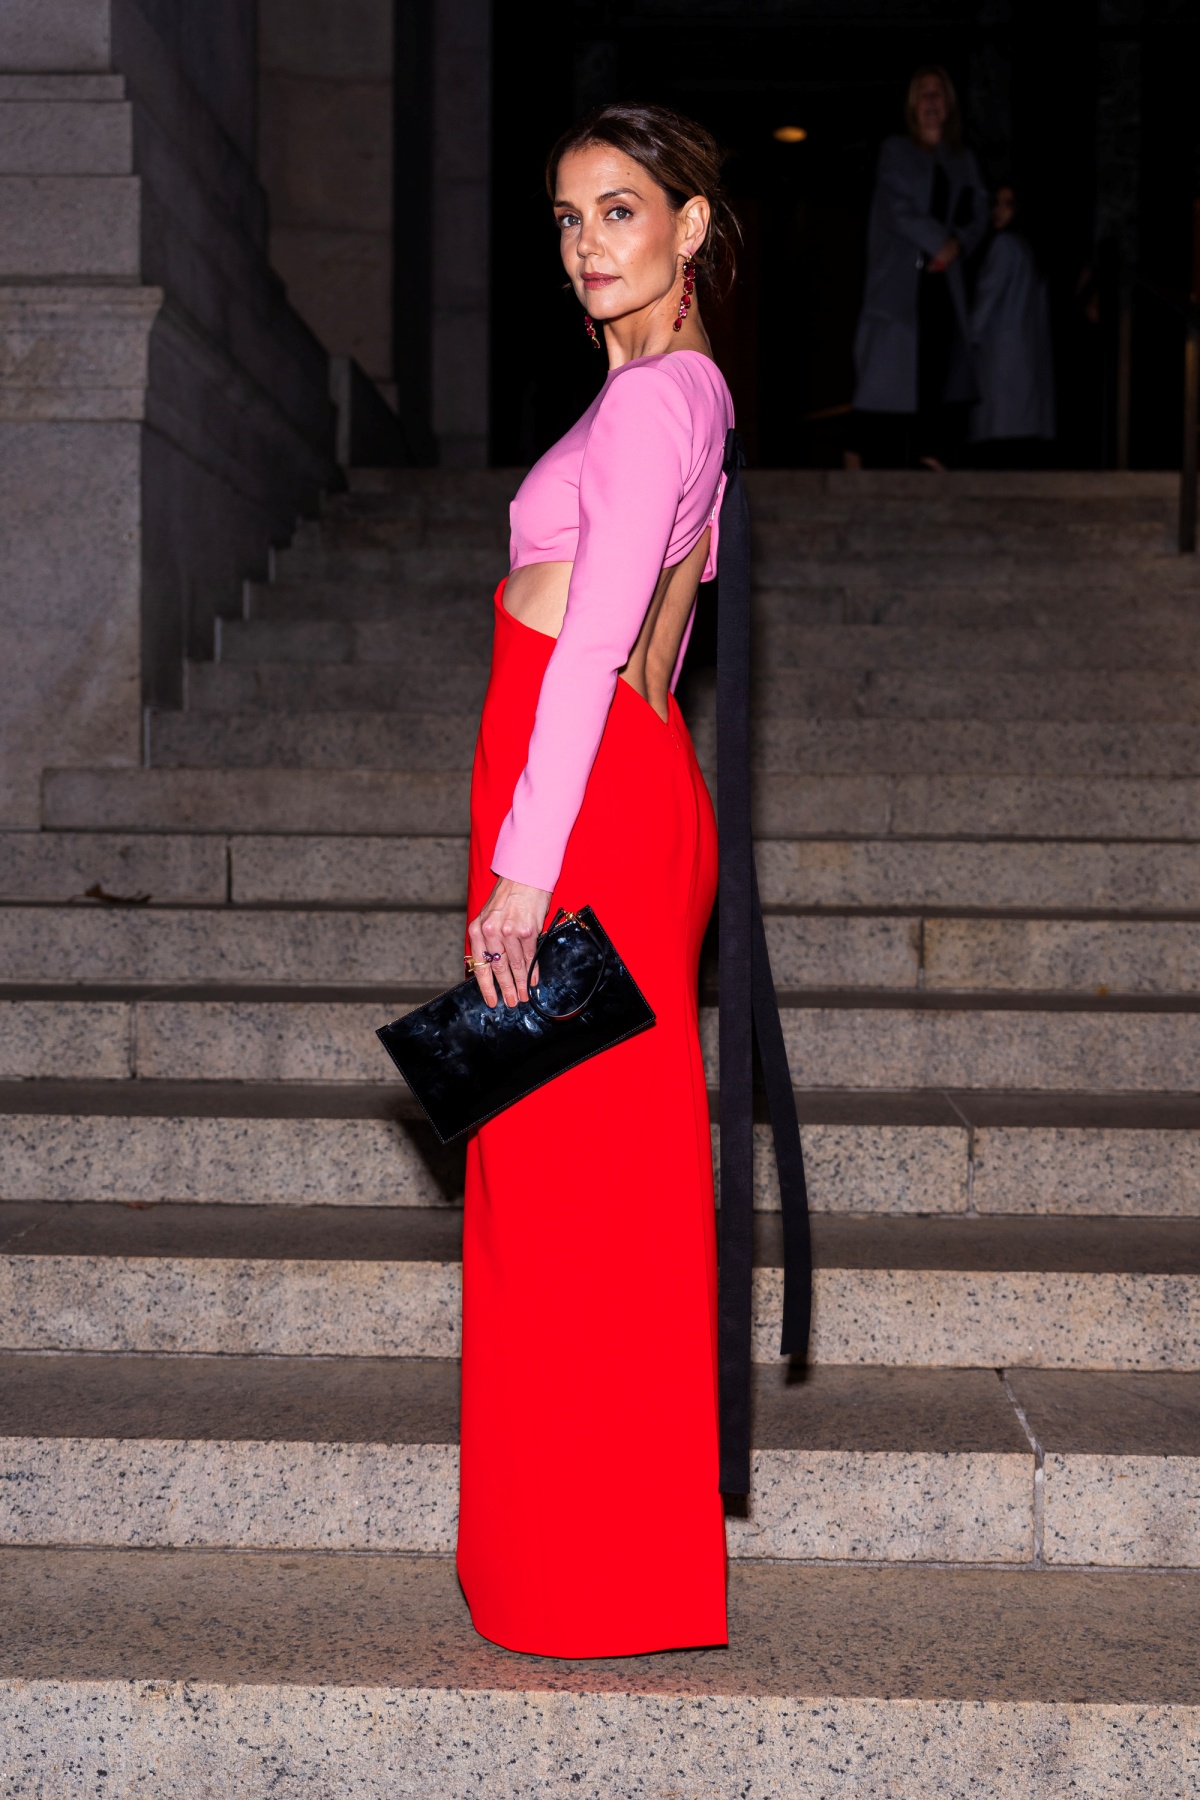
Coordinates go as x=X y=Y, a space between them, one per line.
x=591 y=1522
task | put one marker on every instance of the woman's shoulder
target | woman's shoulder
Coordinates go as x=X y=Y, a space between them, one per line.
x=686 y=383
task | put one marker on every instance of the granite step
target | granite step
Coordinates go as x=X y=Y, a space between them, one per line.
x=873 y=874
x=939 y=874
x=426 y=684
x=842 y=553
x=93 y=138
x=259 y=801
x=460 y=568
x=839 y=1684
x=408 y=739
x=781 y=740
x=358 y=600
x=183 y=947
x=292 y=947
x=407 y=946
x=437 y=493
x=195 y=869
x=460 y=636
x=63 y=865
x=849 y=1464
x=401 y=738
x=307 y=1453
x=785 y=645
x=371 y=802
x=950 y=1292
x=865 y=533
x=988 y=1048
x=347 y=519
x=866 y=1151
x=1161 y=696
x=840 y=1039
x=828 y=594
x=1033 y=591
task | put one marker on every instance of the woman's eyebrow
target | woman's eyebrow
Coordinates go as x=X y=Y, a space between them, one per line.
x=608 y=194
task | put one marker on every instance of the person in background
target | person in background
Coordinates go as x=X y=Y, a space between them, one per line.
x=911 y=349
x=1010 y=339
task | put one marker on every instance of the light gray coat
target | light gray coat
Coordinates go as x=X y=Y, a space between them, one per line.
x=1010 y=337
x=902 y=235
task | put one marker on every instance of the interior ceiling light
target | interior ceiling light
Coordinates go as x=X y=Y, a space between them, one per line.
x=789 y=134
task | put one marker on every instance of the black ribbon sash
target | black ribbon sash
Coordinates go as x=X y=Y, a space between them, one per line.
x=748 y=1014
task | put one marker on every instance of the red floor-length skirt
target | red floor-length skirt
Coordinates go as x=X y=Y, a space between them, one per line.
x=590 y=1518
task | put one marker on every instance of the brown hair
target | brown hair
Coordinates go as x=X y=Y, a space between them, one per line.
x=680 y=155
x=952 y=129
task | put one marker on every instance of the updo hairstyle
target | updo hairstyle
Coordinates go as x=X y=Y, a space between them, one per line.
x=680 y=156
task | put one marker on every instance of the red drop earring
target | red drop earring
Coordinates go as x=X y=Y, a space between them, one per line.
x=689 y=288
x=591 y=331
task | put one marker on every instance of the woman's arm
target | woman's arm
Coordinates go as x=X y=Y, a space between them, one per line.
x=999 y=266
x=895 y=199
x=971 y=225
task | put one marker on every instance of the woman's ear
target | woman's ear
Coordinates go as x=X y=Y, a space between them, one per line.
x=694 y=218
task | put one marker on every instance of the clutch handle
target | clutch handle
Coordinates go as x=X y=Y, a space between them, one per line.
x=563 y=917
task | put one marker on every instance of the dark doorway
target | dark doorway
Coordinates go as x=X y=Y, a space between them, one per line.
x=1057 y=99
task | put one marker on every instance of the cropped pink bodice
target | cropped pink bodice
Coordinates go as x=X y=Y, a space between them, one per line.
x=626 y=493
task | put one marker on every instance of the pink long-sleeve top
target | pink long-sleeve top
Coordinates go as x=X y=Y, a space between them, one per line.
x=626 y=493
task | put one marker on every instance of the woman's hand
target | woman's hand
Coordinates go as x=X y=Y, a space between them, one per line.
x=946 y=255
x=509 y=924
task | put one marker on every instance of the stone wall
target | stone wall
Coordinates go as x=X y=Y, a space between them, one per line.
x=325 y=160
x=461 y=202
x=164 y=414
x=400 y=282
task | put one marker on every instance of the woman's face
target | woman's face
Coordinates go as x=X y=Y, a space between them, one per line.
x=930 y=109
x=622 y=242
x=1004 y=207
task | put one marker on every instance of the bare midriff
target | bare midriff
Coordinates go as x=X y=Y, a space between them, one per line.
x=536 y=596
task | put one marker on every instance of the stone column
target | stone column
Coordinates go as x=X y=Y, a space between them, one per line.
x=73 y=379
x=461 y=193
x=75 y=329
x=325 y=159
x=163 y=414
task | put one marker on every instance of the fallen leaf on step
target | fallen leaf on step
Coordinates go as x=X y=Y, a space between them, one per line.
x=96 y=892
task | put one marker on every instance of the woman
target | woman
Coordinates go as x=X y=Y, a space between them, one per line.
x=590 y=1519
x=928 y=212
x=1010 y=337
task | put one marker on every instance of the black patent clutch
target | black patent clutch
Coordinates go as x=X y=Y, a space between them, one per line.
x=465 y=1061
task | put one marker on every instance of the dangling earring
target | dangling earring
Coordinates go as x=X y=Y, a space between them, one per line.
x=689 y=288
x=591 y=331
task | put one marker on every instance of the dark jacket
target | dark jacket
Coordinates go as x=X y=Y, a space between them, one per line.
x=902 y=235
x=1010 y=337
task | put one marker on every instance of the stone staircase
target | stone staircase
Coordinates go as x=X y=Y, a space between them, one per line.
x=229 y=1273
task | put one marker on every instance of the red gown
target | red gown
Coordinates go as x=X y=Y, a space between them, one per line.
x=590 y=1518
